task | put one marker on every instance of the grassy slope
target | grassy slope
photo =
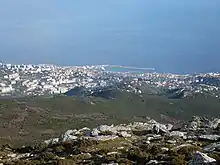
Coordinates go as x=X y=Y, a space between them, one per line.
x=31 y=119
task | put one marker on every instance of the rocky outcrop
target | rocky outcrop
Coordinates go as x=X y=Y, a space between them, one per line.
x=147 y=142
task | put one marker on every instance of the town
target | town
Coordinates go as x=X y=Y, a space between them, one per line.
x=45 y=79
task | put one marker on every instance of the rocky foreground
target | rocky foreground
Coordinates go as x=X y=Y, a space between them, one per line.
x=196 y=142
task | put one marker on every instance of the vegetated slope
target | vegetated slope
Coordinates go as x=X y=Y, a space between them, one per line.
x=26 y=120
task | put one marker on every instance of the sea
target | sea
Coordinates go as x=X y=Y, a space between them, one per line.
x=178 y=36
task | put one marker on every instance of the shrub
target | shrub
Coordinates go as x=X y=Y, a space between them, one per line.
x=47 y=156
x=155 y=150
x=188 y=151
x=138 y=155
x=106 y=133
x=178 y=160
x=66 y=162
x=59 y=149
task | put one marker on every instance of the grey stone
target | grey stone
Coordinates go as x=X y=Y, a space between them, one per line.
x=200 y=158
x=177 y=133
x=171 y=141
x=209 y=137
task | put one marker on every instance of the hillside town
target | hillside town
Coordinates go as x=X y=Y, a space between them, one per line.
x=43 y=79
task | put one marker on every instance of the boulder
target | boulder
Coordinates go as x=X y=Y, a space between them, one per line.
x=169 y=127
x=84 y=132
x=69 y=135
x=151 y=162
x=69 y=132
x=105 y=138
x=177 y=134
x=107 y=128
x=124 y=134
x=156 y=129
x=171 y=141
x=66 y=137
x=209 y=137
x=95 y=132
x=52 y=141
x=200 y=158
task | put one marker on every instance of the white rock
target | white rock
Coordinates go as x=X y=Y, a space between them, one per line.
x=163 y=128
x=181 y=146
x=210 y=137
x=68 y=137
x=177 y=133
x=69 y=132
x=106 y=138
x=165 y=149
x=200 y=158
x=125 y=134
x=12 y=155
x=152 y=162
x=171 y=141
x=112 y=153
x=169 y=127
x=95 y=132
x=52 y=141
x=104 y=128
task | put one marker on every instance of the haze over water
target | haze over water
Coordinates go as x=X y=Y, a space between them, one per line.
x=172 y=36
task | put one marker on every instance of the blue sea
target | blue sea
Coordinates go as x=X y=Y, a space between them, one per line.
x=178 y=36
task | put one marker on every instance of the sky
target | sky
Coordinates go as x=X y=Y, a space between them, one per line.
x=172 y=36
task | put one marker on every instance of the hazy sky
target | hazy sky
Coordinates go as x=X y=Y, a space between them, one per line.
x=170 y=35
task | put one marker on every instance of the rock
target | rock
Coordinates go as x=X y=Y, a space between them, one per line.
x=192 y=137
x=152 y=162
x=165 y=149
x=84 y=132
x=67 y=136
x=163 y=128
x=52 y=141
x=154 y=137
x=95 y=132
x=112 y=153
x=12 y=155
x=124 y=134
x=194 y=124
x=200 y=158
x=69 y=132
x=156 y=129
x=171 y=141
x=103 y=138
x=169 y=127
x=215 y=123
x=109 y=163
x=212 y=147
x=178 y=134
x=209 y=137
x=106 y=128
x=181 y=146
